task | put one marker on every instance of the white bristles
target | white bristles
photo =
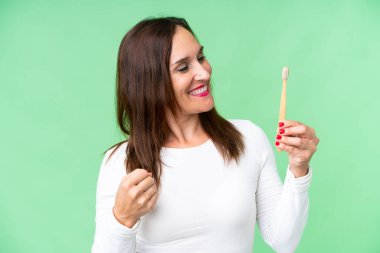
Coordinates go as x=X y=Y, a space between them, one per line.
x=285 y=73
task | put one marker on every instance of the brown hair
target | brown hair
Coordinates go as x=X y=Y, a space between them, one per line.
x=144 y=92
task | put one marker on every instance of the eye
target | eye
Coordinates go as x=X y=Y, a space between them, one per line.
x=201 y=58
x=183 y=68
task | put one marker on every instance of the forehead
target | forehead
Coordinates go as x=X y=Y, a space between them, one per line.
x=183 y=43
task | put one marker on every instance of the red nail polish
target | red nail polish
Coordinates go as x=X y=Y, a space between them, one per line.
x=277 y=143
x=281 y=124
x=282 y=131
x=278 y=137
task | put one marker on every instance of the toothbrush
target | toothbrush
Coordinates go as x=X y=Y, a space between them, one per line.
x=285 y=74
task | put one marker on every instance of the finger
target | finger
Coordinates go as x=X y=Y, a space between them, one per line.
x=144 y=199
x=299 y=130
x=152 y=202
x=136 y=176
x=150 y=192
x=294 y=151
x=291 y=150
x=283 y=147
x=288 y=123
x=282 y=125
x=146 y=184
x=298 y=142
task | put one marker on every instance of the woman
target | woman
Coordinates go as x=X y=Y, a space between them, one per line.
x=187 y=180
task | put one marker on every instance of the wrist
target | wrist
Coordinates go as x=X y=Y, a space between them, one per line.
x=128 y=222
x=299 y=171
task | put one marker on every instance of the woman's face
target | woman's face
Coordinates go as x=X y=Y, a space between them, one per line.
x=190 y=74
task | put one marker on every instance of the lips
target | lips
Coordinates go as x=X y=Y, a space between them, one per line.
x=200 y=86
x=200 y=91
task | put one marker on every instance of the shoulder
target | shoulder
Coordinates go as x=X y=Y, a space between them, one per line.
x=254 y=137
x=115 y=153
x=111 y=171
x=247 y=128
x=113 y=164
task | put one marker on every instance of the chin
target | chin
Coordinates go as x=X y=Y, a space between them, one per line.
x=208 y=108
x=211 y=105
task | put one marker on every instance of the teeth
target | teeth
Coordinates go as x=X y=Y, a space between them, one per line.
x=198 y=91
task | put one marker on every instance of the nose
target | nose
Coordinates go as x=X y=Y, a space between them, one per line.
x=202 y=72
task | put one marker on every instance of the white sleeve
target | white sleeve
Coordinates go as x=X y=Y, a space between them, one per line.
x=281 y=209
x=110 y=235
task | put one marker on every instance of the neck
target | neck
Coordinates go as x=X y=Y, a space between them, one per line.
x=185 y=131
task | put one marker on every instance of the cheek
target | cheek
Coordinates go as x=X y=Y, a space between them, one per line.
x=208 y=67
x=180 y=86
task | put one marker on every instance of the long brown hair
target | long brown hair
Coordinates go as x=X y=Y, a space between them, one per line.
x=144 y=92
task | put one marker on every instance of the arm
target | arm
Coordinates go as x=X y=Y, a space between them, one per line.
x=281 y=209
x=110 y=235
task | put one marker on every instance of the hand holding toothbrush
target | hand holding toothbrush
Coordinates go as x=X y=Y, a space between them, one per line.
x=295 y=138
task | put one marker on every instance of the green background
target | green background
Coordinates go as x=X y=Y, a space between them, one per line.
x=57 y=78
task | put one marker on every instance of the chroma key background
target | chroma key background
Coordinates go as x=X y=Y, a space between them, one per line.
x=57 y=106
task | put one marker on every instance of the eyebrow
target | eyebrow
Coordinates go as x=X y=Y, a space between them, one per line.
x=186 y=58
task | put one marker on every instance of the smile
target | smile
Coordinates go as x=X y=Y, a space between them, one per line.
x=200 y=92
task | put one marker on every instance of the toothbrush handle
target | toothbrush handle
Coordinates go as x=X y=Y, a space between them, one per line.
x=283 y=102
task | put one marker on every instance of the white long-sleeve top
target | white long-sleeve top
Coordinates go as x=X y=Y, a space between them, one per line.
x=205 y=205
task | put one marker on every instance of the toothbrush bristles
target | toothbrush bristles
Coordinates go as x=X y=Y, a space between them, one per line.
x=285 y=73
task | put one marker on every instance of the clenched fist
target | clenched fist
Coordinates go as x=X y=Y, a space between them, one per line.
x=136 y=196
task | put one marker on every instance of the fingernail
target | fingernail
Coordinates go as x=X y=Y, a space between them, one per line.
x=282 y=131
x=278 y=137
x=281 y=124
x=277 y=143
